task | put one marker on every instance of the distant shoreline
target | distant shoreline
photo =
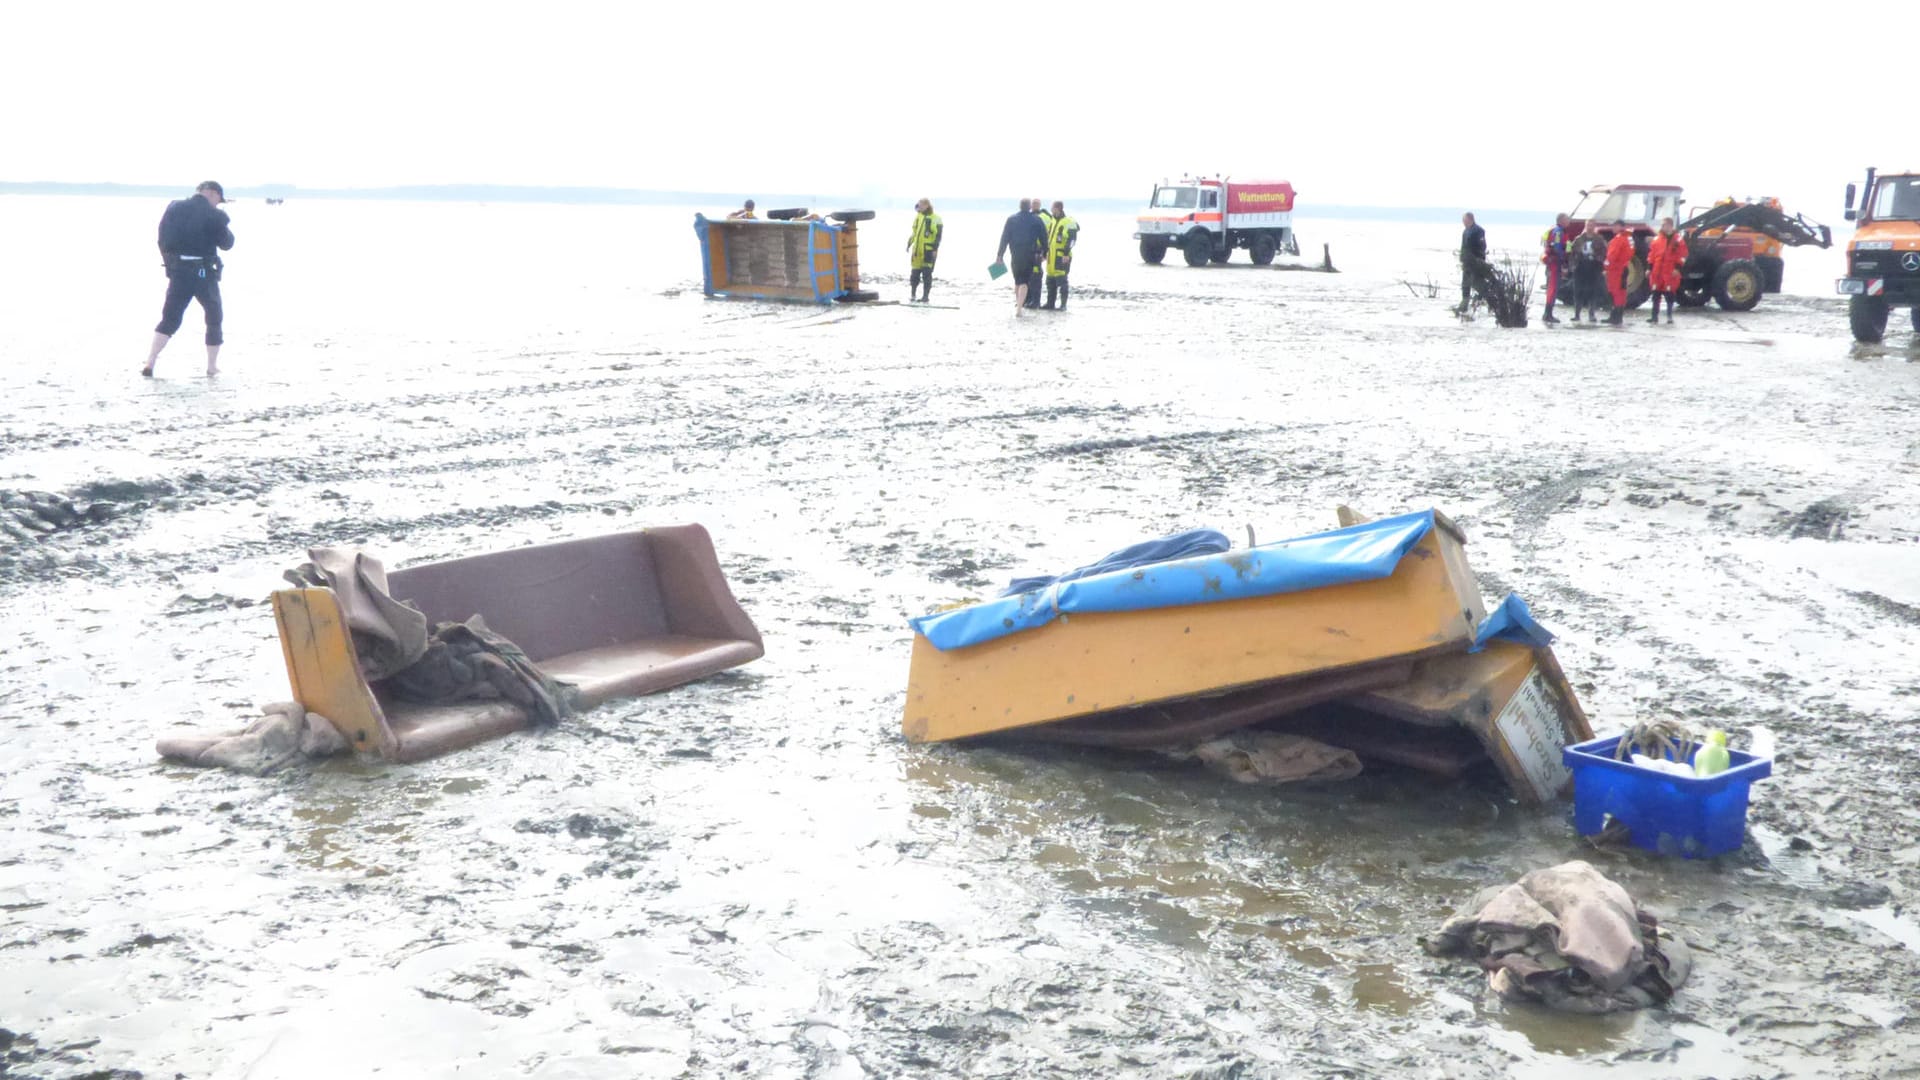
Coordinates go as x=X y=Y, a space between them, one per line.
x=509 y=193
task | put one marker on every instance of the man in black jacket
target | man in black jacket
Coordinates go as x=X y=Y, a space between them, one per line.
x=1025 y=237
x=1473 y=256
x=193 y=232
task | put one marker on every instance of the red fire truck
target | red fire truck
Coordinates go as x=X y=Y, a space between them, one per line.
x=1206 y=218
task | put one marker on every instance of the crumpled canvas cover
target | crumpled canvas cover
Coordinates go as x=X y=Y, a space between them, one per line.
x=1182 y=545
x=1570 y=938
x=284 y=733
x=1511 y=621
x=1362 y=552
x=388 y=635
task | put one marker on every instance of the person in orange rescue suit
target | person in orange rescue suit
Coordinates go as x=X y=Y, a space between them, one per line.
x=1553 y=244
x=923 y=245
x=1619 y=258
x=1666 y=256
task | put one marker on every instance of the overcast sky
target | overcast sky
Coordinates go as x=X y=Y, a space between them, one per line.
x=1421 y=104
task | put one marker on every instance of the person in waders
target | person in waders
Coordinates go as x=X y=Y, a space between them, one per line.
x=1666 y=255
x=1554 y=254
x=923 y=245
x=193 y=232
x=1060 y=237
x=1619 y=260
x=1589 y=262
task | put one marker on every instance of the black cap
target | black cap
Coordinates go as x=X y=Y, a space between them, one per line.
x=213 y=186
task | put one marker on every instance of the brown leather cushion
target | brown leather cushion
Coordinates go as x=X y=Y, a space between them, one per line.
x=642 y=667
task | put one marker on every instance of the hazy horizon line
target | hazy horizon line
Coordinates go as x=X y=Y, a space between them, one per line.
x=589 y=194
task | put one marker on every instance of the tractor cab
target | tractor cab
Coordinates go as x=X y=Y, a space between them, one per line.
x=1637 y=206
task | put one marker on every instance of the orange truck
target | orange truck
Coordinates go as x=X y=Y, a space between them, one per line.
x=1206 y=218
x=1883 y=258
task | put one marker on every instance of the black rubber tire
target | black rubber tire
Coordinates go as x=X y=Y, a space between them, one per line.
x=1262 y=250
x=1222 y=256
x=793 y=214
x=1738 y=285
x=858 y=296
x=1773 y=270
x=1153 y=252
x=844 y=216
x=1639 y=283
x=1198 y=249
x=1867 y=315
x=1916 y=318
x=1693 y=294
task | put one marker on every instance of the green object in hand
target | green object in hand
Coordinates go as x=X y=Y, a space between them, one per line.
x=997 y=271
x=1712 y=756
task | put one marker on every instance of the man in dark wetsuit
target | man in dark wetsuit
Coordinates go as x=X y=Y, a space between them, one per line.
x=1025 y=236
x=193 y=232
x=1473 y=257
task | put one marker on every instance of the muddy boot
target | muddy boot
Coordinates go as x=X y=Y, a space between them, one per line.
x=1656 y=311
x=1619 y=316
x=1548 y=317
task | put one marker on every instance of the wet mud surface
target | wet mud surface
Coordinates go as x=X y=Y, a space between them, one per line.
x=755 y=876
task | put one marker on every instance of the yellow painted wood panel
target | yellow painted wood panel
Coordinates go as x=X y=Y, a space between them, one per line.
x=1088 y=663
x=322 y=668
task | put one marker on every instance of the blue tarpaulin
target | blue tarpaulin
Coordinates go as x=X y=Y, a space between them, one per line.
x=1178 y=546
x=1511 y=621
x=1361 y=552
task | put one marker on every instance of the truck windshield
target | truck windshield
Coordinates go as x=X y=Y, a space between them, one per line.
x=1176 y=198
x=1897 y=198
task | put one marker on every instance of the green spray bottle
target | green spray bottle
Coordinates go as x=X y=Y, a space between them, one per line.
x=1712 y=756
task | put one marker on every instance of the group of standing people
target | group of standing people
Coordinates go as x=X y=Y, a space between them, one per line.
x=1598 y=259
x=1037 y=245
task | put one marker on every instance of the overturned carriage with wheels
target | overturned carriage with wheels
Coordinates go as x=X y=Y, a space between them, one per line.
x=1207 y=219
x=793 y=255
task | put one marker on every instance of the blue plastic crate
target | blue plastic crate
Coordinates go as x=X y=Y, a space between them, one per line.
x=1693 y=817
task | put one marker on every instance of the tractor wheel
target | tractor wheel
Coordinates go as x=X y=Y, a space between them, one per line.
x=1693 y=294
x=1638 y=285
x=1222 y=255
x=1199 y=248
x=1153 y=251
x=1738 y=284
x=844 y=216
x=792 y=214
x=1262 y=250
x=1868 y=317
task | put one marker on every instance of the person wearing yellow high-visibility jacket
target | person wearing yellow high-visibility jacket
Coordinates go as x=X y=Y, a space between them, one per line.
x=1046 y=221
x=1060 y=237
x=924 y=245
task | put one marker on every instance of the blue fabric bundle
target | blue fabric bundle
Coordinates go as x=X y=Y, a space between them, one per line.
x=1178 y=546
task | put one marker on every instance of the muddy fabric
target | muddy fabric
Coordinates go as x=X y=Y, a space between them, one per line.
x=466 y=662
x=1272 y=757
x=284 y=734
x=1569 y=938
x=388 y=634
